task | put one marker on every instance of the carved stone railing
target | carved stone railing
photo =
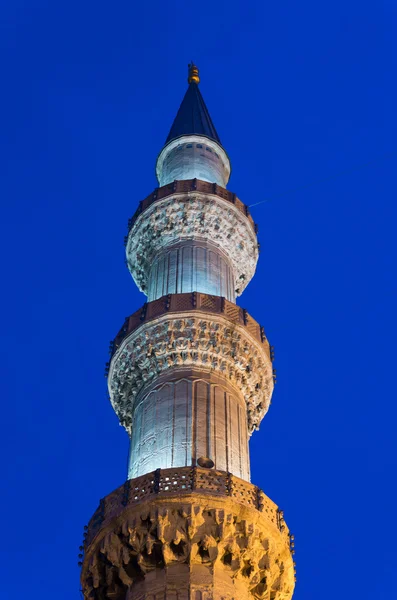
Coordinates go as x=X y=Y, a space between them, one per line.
x=179 y=481
x=178 y=303
x=191 y=185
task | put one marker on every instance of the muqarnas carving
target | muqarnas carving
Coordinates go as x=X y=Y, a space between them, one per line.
x=193 y=342
x=192 y=217
x=158 y=537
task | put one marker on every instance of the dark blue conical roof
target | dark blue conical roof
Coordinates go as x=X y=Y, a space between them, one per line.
x=193 y=117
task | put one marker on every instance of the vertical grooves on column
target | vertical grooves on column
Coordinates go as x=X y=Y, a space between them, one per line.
x=221 y=278
x=194 y=423
x=229 y=424
x=166 y=273
x=228 y=292
x=189 y=425
x=239 y=435
x=153 y=284
x=246 y=453
x=174 y=388
x=156 y=412
x=208 y=407
x=134 y=447
x=179 y=421
x=176 y=271
x=218 y=271
x=179 y=274
x=160 y=275
x=225 y=281
x=214 y=415
x=191 y=262
x=206 y=261
x=191 y=268
x=157 y=282
x=172 y=273
x=225 y=398
x=194 y=275
x=182 y=270
x=170 y=416
x=143 y=424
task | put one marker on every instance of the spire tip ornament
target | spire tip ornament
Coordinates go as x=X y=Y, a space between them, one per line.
x=193 y=73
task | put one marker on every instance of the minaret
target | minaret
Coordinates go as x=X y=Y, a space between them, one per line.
x=190 y=377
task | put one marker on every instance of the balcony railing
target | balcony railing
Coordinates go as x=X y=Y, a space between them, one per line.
x=191 y=185
x=180 y=481
x=195 y=301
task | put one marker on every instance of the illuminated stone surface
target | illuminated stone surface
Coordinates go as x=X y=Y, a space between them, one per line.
x=191 y=267
x=193 y=217
x=193 y=156
x=192 y=340
x=188 y=534
x=192 y=416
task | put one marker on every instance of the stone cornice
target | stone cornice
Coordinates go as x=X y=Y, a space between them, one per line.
x=196 y=301
x=176 y=482
x=203 y=341
x=191 y=185
x=188 y=517
x=192 y=216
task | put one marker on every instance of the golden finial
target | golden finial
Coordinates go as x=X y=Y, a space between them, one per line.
x=193 y=73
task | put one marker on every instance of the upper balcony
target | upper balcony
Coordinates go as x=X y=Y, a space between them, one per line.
x=190 y=185
x=196 y=214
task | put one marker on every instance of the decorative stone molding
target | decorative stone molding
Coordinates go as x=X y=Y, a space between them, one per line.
x=232 y=547
x=195 y=341
x=191 y=185
x=192 y=216
x=196 y=302
x=169 y=483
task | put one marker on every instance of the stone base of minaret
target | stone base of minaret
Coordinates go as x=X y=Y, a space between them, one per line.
x=187 y=534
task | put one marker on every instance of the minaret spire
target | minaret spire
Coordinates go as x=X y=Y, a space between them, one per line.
x=190 y=377
x=193 y=116
x=193 y=149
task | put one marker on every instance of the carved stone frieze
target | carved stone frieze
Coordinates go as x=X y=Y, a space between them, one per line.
x=191 y=185
x=231 y=547
x=199 y=341
x=192 y=216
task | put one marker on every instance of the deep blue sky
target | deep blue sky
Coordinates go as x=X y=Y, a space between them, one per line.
x=303 y=95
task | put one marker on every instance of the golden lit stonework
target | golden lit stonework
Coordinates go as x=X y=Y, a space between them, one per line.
x=188 y=533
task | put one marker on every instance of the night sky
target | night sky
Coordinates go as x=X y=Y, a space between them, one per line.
x=303 y=96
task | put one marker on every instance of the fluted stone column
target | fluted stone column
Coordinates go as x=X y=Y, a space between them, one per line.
x=190 y=267
x=187 y=418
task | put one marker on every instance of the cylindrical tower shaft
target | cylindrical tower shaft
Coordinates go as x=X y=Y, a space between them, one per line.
x=191 y=266
x=189 y=418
